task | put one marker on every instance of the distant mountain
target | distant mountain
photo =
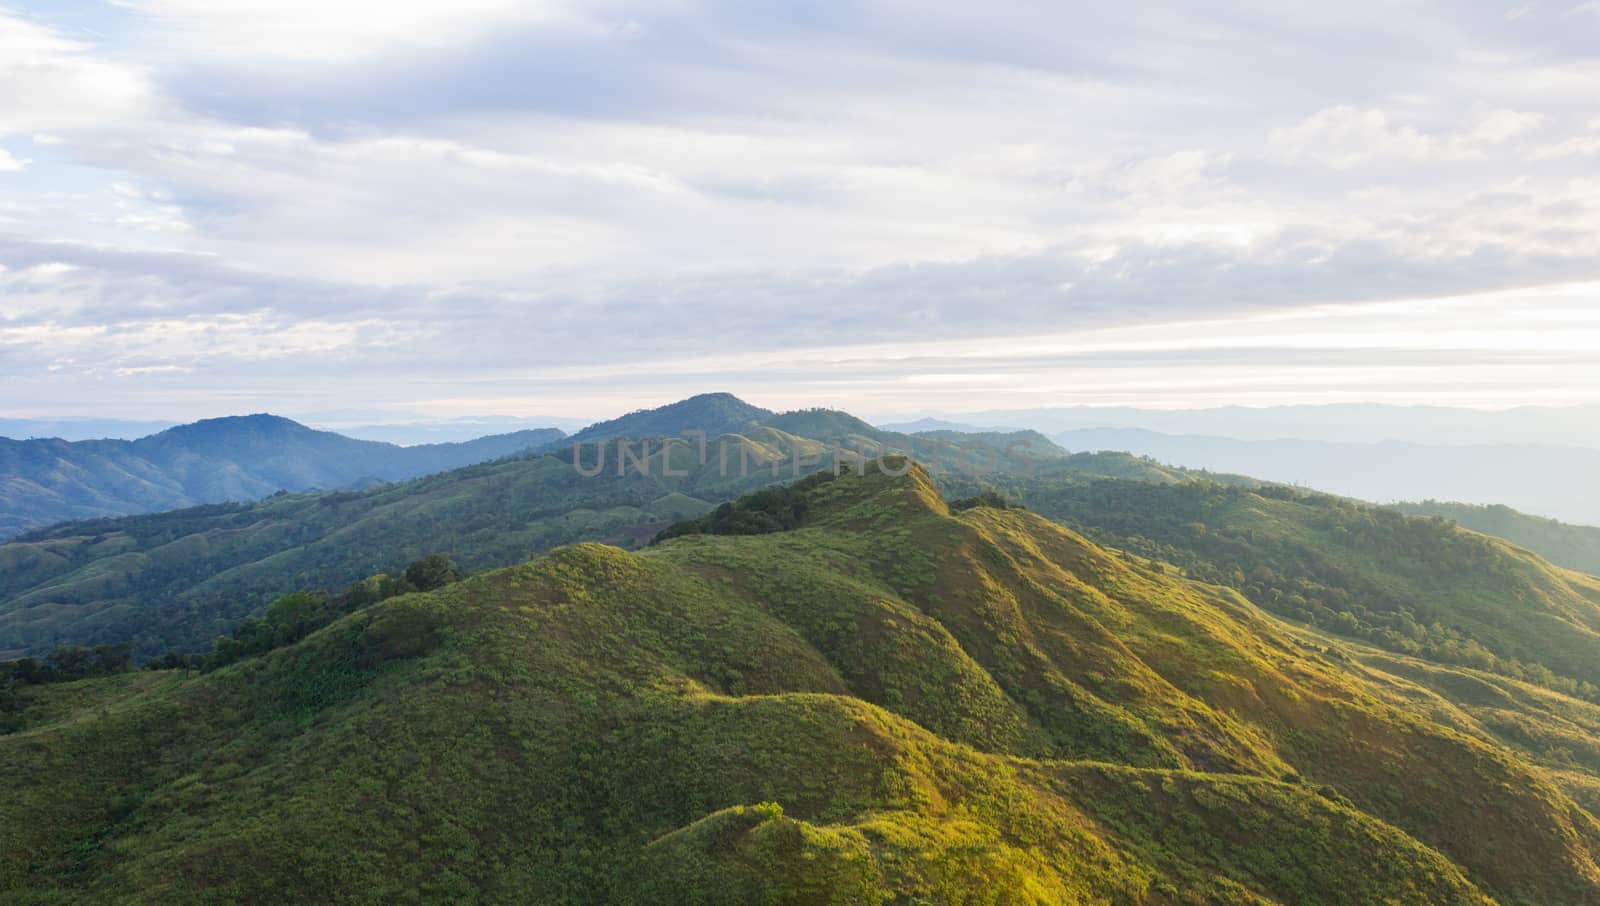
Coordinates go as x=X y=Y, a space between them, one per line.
x=1550 y=481
x=1573 y=546
x=723 y=414
x=714 y=413
x=867 y=695
x=1576 y=426
x=236 y=458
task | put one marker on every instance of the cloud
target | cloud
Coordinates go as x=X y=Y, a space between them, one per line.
x=416 y=192
x=10 y=164
x=51 y=82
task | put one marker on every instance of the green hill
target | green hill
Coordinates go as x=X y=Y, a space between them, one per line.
x=891 y=702
x=1573 y=546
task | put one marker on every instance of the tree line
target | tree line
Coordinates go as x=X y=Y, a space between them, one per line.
x=287 y=620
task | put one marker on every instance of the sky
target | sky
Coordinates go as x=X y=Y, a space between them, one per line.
x=346 y=209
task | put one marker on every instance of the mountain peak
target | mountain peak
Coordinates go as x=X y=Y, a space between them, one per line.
x=713 y=413
x=716 y=396
x=257 y=421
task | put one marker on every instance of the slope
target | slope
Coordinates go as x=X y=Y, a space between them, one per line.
x=1419 y=586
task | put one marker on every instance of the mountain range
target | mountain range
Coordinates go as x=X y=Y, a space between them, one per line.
x=45 y=481
x=178 y=579
x=885 y=696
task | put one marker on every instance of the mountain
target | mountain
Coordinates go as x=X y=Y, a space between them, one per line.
x=714 y=413
x=1573 y=546
x=1557 y=426
x=180 y=579
x=237 y=458
x=898 y=700
x=1550 y=481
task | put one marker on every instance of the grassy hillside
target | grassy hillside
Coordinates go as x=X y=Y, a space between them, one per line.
x=890 y=703
x=43 y=482
x=1418 y=586
x=1573 y=546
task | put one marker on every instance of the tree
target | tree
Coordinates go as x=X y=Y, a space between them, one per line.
x=431 y=572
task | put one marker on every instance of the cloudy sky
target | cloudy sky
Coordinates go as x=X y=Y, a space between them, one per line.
x=346 y=208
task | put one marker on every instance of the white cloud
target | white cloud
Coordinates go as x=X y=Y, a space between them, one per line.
x=50 y=82
x=10 y=164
